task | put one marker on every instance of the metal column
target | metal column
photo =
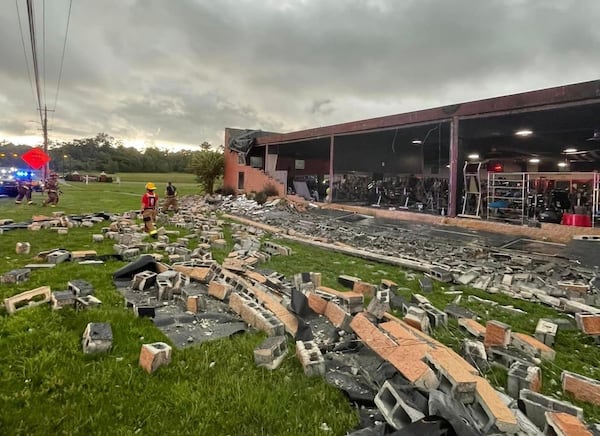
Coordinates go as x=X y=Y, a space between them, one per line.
x=330 y=196
x=453 y=180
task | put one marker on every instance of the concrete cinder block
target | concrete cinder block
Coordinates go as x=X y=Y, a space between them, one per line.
x=97 y=237
x=497 y=334
x=23 y=248
x=62 y=299
x=155 y=355
x=310 y=358
x=87 y=302
x=532 y=347
x=522 y=376
x=58 y=256
x=545 y=331
x=271 y=353
x=97 y=338
x=32 y=298
x=219 y=290
x=80 y=288
x=394 y=408
x=535 y=406
x=581 y=387
x=143 y=280
x=563 y=424
x=16 y=276
x=378 y=308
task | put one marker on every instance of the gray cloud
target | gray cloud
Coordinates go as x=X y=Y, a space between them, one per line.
x=178 y=72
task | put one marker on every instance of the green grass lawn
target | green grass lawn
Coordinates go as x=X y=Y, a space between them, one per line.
x=47 y=386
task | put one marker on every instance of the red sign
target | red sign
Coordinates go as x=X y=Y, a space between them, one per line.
x=35 y=158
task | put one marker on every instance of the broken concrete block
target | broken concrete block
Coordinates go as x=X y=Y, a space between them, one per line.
x=425 y=284
x=472 y=327
x=364 y=288
x=155 y=355
x=219 y=290
x=588 y=323
x=489 y=410
x=417 y=318
x=310 y=358
x=545 y=331
x=440 y=274
x=142 y=310
x=143 y=280
x=467 y=278
x=62 y=231
x=388 y=284
x=316 y=303
x=522 y=376
x=80 y=288
x=97 y=338
x=394 y=408
x=337 y=316
x=195 y=304
x=563 y=424
x=535 y=406
x=378 y=308
x=456 y=378
x=98 y=237
x=62 y=299
x=581 y=387
x=384 y=295
x=456 y=311
x=86 y=302
x=531 y=346
x=16 y=276
x=23 y=248
x=58 y=256
x=437 y=318
x=32 y=298
x=497 y=334
x=271 y=353
x=347 y=281
x=474 y=354
x=350 y=301
x=130 y=254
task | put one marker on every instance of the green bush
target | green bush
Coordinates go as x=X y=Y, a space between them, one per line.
x=261 y=197
x=227 y=190
x=270 y=190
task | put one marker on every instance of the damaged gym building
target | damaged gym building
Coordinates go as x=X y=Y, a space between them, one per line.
x=529 y=158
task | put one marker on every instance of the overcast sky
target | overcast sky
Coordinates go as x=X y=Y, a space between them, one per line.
x=175 y=73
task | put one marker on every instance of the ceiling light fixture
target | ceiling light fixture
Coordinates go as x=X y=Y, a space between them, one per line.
x=417 y=141
x=562 y=164
x=534 y=160
x=570 y=150
x=473 y=156
x=596 y=136
x=524 y=132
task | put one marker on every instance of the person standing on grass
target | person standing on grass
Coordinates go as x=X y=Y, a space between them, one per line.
x=51 y=187
x=170 y=197
x=149 y=205
x=24 y=191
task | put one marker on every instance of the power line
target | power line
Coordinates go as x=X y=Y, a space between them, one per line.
x=36 y=71
x=24 y=49
x=62 y=58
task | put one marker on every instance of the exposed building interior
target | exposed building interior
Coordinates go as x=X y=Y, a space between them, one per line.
x=515 y=165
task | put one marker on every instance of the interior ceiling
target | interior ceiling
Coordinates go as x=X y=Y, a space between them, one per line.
x=491 y=137
x=553 y=131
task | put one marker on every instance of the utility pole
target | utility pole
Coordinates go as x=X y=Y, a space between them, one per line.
x=45 y=129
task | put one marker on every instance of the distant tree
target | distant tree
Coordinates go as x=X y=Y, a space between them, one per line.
x=207 y=165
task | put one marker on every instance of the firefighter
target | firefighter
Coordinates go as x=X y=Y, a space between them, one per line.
x=51 y=187
x=23 y=191
x=170 y=198
x=149 y=205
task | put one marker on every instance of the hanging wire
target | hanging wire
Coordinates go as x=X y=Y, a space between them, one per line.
x=24 y=49
x=62 y=57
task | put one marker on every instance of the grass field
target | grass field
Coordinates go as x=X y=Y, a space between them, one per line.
x=47 y=386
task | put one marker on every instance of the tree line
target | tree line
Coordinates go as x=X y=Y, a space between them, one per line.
x=105 y=153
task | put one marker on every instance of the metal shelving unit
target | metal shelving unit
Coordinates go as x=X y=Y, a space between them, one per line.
x=507 y=195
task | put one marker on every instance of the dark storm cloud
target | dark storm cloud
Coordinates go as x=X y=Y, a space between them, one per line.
x=180 y=71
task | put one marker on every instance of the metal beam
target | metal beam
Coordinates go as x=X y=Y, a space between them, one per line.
x=453 y=181
x=331 y=153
